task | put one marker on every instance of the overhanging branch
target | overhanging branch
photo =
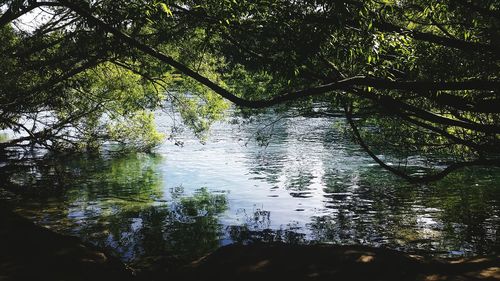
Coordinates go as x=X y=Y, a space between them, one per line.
x=337 y=85
x=425 y=179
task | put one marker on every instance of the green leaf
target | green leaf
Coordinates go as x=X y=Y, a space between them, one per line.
x=165 y=9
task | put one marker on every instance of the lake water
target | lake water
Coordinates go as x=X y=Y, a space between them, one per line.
x=310 y=183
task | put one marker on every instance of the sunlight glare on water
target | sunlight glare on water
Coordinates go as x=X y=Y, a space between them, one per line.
x=309 y=184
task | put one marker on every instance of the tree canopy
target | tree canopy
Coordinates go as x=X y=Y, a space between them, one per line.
x=411 y=76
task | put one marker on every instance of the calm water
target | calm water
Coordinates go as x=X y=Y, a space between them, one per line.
x=309 y=184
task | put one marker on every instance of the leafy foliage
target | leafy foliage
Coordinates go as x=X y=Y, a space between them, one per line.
x=424 y=73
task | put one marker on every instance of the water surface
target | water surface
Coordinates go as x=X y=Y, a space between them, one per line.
x=308 y=183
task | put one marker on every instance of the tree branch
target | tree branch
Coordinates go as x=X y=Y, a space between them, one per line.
x=425 y=179
x=11 y=15
x=337 y=85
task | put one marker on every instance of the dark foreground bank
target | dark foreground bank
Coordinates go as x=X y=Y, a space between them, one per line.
x=30 y=252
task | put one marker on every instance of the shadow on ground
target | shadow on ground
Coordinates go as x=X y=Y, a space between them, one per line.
x=30 y=252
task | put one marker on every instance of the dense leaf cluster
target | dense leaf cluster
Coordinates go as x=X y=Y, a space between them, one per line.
x=423 y=74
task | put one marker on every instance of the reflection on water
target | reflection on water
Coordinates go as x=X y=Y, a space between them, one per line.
x=309 y=184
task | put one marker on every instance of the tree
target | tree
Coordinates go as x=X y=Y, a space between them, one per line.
x=423 y=74
x=67 y=88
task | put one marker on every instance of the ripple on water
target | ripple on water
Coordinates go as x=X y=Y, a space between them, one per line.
x=310 y=183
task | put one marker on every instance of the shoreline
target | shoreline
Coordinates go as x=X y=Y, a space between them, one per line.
x=31 y=252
